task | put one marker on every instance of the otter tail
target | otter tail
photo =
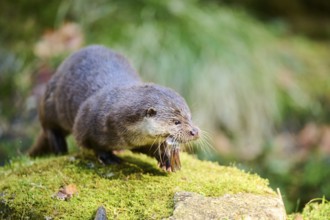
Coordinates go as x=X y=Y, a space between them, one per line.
x=48 y=142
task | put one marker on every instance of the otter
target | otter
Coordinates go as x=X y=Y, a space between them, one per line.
x=97 y=96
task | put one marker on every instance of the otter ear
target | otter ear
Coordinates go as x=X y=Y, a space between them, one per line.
x=151 y=112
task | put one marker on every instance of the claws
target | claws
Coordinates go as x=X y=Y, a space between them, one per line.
x=108 y=158
x=170 y=160
x=175 y=159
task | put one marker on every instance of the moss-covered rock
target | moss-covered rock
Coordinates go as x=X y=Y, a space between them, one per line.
x=135 y=189
x=317 y=209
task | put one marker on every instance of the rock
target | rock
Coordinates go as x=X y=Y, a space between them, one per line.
x=101 y=214
x=190 y=205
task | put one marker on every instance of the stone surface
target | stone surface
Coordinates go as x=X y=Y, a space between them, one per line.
x=230 y=206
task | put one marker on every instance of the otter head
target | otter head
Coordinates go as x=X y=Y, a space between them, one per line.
x=164 y=116
x=171 y=122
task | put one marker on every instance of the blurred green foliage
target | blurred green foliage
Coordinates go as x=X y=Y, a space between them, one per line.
x=306 y=17
x=241 y=77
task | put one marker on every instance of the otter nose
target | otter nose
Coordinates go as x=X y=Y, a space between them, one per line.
x=194 y=132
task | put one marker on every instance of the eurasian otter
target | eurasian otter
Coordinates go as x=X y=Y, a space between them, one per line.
x=96 y=95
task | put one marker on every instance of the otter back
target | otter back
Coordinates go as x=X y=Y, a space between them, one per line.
x=83 y=74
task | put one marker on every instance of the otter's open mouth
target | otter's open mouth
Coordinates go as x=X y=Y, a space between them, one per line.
x=170 y=140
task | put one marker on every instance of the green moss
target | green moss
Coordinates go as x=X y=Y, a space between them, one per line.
x=317 y=209
x=136 y=189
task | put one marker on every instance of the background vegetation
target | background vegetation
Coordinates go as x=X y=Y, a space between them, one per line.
x=260 y=88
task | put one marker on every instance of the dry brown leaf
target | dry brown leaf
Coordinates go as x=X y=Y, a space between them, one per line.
x=67 y=38
x=66 y=192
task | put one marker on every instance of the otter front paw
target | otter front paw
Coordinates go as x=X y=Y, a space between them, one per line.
x=164 y=163
x=175 y=159
x=108 y=158
x=170 y=162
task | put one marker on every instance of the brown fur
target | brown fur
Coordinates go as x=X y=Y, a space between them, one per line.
x=96 y=95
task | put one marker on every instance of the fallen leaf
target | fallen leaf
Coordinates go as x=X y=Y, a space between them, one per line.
x=66 y=192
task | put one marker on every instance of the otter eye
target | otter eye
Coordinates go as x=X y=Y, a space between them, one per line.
x=151 y=112
x=177 y=122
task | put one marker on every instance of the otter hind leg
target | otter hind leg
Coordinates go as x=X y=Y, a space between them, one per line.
x=40 y=146
x=49 y=142
x=57 y=142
